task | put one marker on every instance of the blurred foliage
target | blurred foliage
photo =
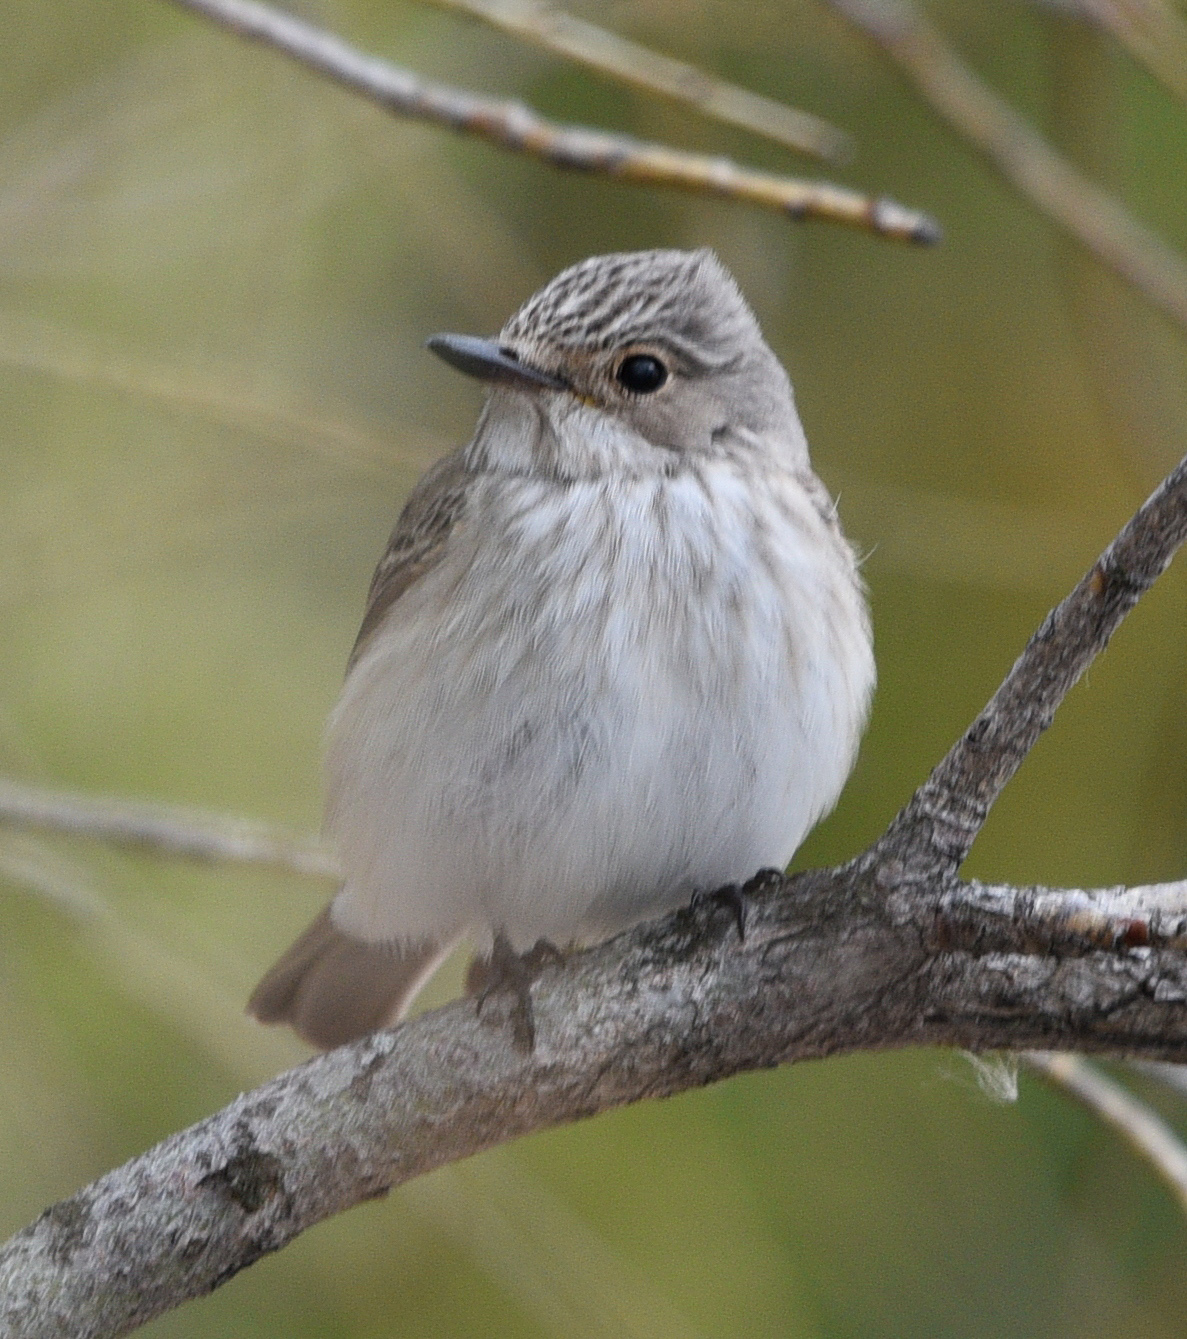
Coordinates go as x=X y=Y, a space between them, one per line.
x=215 y=277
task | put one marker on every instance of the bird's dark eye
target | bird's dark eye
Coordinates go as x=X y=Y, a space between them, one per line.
x=641 y=373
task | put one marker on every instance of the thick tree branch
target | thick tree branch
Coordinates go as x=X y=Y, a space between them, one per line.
x=828 y=965
x=516 y=127
x=888 y=951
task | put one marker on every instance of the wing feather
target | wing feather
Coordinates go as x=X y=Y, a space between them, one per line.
x=417 y=542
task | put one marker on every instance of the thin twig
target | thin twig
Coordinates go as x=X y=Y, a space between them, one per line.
x=1141 y=1128
x=948 y=810
x=173 y=986
x=164 y=829
x=1150 y=30
x=1089 y=213
x=516 y=127
x=41 y=347
x=1170 y=1076
x=602 y=50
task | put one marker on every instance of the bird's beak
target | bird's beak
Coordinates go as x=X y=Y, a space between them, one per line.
x=484 y=359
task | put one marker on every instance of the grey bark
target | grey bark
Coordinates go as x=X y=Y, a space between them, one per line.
x=891 y=950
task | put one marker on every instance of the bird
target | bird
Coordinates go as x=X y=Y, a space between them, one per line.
x=616 y=655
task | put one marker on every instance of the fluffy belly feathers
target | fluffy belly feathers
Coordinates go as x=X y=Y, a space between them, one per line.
x=608 y=695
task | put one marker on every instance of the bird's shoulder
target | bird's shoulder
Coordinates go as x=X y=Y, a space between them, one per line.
x=418 y=540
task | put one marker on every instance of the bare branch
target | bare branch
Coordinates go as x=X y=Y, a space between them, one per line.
x=949 y=809
x=1090 y=214
x=607 y=52
x=888 y=951
x=1141 y=1128
x=516 y=127
x=827 y=966
x=165 y=829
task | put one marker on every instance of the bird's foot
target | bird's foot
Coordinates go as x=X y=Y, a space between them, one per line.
x=733 y=898
x=511 y=973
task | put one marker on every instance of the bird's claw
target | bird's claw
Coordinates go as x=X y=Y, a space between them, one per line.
x=733 y=898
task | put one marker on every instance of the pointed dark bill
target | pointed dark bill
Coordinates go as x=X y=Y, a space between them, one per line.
x=484 y=359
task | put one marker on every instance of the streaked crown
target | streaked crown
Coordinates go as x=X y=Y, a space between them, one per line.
x=686 y=300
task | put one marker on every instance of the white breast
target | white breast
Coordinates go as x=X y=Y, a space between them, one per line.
x=608 y=694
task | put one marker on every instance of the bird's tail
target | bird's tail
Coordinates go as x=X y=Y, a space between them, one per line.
x=331 y=988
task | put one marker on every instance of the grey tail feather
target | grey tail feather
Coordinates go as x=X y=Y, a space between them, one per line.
x=331 y=988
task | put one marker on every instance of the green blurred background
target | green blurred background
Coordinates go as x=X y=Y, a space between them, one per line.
x=216 y=273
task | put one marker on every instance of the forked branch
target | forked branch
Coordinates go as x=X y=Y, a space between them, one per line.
x=891 y=950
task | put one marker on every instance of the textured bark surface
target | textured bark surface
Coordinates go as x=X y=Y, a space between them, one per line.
x=832 y=961
x=893 y=949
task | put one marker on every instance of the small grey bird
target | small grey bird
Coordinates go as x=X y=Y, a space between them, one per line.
x=617 y=651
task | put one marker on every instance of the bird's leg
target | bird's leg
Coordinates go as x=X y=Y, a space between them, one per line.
x=512 y=973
